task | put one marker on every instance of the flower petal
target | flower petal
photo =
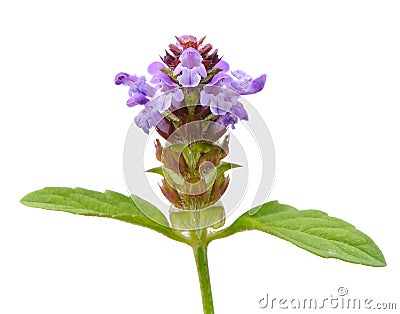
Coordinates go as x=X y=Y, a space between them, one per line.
x=178 y=95
x=239 y=111
x=143 y=120
x=220 y=78
x=190 y=58
x=189 y=78
x=161 y=77
x=256 y=85
x=228 y=119
x=125 y=79
x=155 y=67
x=137 y=99
x=163 y=102
x=201 y=70
x=224 y=66
x=178 y=69
x=240 y=74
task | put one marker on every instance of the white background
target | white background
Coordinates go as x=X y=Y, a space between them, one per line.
x=331 y=104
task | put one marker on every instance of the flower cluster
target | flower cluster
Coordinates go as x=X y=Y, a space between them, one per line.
x=191 y=83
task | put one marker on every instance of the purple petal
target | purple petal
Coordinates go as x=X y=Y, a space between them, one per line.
x=156 y=116
x=227 y=119
x=239 y=111
x=155 y=67
x=121 y=78
x=256 y=85
x=178 y=69
x=237 y=86
x=189 y=78
x=205 y=98
x=217 y=110
x=178 y=95
x=221 y=78
x=125 y=79
x=240 y=74
x=162 y=102
x=143 y=120
x=219 y=105
x=224 y=66
x=190 y=58
x=201 y=70
x=137 y=99
x=161 y=77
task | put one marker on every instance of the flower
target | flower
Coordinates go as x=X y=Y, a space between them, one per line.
x=224 y=103
x=191 y=99
x=236 y=113
x=137 y=99
x=124 y=78
x=165 y=84
x=245 y=85
x=147 y=118
x=160 y=78
x=220 y=100
x=164 y=101
x=221 y=78
x=191 y=67
x=191 y=83
x=139 y=90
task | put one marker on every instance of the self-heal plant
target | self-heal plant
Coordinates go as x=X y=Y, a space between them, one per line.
x=192 y=102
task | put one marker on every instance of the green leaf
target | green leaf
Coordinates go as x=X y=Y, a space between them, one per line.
x=311 y=230
x=108 y=204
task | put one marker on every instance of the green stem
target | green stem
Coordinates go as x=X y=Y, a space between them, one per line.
x=200 y=255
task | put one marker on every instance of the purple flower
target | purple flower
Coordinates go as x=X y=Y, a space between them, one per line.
x=158 y=77
x=217 y=99
x=147 y=118
x=245 y=85
x=165 y=84
x=137 y=99
x=227 y=119
x=136 y=83
x=185 y=65
x=139 y=90
x=191 y=67
x=239 y=111
x=221 y=78
x=162 y=80
x=222 y=65
x=165 y=100
x=224 y=103
x=236 y=113
x=123 y=78
x=140 y=86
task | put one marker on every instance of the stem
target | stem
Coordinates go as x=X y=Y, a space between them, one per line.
x=200 y=255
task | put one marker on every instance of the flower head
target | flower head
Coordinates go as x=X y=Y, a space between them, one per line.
x=191 y=83
x=191 y=99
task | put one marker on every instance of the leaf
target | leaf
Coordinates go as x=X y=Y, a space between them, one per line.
x=108 y=204
x=311 y=230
